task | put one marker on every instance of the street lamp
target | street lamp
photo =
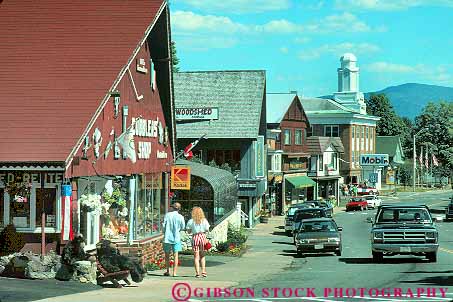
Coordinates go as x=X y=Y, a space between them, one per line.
x=413 y=182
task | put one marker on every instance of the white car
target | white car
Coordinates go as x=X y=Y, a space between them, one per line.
x=372 y=200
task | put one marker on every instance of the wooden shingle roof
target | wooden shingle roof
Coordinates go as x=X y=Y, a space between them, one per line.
x=239 y=96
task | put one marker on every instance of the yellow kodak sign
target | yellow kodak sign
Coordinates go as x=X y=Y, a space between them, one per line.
x=180 y=178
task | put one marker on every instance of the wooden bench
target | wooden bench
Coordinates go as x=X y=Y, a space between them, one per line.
x=113 y=277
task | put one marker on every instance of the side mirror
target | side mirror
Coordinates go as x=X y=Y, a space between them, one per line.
x=369 y=220
x=339 y=229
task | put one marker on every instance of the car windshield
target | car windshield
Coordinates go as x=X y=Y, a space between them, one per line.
x=315 y=213
x=292 y=210
x=416 y=215
x=318 y=226
x=357 y=199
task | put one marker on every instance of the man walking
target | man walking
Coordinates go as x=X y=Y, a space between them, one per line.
x=173 y=224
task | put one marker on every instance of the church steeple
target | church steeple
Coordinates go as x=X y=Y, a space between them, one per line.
x=348 y=84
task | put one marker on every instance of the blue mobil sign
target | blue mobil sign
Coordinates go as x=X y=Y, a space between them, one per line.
x=374 y=160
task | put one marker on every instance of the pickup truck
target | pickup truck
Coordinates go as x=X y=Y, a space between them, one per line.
x=404 y=230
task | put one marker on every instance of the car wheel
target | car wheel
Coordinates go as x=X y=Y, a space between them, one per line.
x=378 y=257
x=432 y=257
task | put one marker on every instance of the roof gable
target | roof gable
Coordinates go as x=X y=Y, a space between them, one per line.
x=58 y=62
x=238 y=95
x=279 y=102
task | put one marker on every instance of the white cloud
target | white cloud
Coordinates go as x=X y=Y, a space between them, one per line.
x=238 y=6
x=184 y=21
x=200 y=42
x=284 y=50
x=388 y=5
x=338 y=49
x=279 y=26
x=421 y=72
x=345 y=22
x=389 y=67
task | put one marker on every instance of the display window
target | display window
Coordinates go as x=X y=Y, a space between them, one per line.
x=2 y=208
x=149 y=206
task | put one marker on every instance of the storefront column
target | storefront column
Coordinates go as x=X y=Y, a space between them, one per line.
x=250 y=212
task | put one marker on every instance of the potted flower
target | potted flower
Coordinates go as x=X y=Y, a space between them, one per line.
x=91 y=203
x=264 y=216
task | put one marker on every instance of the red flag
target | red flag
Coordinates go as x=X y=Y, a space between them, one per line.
x=66 y=217
x=435 y=162
x=188 y=149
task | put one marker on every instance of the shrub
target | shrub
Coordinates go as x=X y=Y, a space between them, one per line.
x=236 y=236
x=11 y=241
x=222 y=246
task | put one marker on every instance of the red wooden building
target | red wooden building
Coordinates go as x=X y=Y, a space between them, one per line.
x=80 y=81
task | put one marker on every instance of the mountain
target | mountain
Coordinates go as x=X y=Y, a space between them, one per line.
x=410 y=99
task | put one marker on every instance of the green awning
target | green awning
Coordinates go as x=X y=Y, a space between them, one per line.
x=300 y=182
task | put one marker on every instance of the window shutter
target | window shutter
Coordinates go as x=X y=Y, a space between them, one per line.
x=152 y=75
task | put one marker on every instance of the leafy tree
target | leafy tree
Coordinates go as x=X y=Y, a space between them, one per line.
x=435 y=124
x=389 y=124
x=405 y=173
x=174 y=57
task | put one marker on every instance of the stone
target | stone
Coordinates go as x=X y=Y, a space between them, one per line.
x=65 y=273
x=83 y=279
x=41 y=275
x=2 y=268
x=83 y=267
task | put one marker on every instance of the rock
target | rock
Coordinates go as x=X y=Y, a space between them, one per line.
x=41 y=275
x=2 y=268
x=65 y=273
x=83 y=280
x=84 y=267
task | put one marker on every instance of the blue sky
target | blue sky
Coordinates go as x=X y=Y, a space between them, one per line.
x=299 y=42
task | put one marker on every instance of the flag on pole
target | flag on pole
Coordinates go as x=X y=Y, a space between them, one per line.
x=426 y=160
x=420 y=159
x=435 y=162
x=188 y=149
x=66 y=217
x=126 y=141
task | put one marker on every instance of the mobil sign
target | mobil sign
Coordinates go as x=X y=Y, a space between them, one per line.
x=374 y=160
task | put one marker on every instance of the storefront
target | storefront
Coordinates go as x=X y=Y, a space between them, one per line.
x=87 y=148
x=298 y=187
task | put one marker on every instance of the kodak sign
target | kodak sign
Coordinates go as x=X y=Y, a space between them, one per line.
x=374 y=160
x=180 y=178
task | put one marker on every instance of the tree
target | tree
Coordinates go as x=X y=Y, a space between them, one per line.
x=389 y=124
x=436 y=126
x=174 y=57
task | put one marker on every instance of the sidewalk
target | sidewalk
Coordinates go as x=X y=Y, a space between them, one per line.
x=265 y=248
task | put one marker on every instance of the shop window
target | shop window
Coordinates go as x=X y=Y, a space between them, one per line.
x=321 y=163
x=298 y=137
x=310 y=131
x=19 y=204
x=46 y=199
x=150 y=205
x=331 y=131
x=353 y=131
x=115 y=211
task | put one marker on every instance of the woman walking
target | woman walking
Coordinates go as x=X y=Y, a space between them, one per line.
x=198 y=226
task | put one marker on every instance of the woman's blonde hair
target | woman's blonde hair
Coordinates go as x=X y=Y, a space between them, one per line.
x=197 y=215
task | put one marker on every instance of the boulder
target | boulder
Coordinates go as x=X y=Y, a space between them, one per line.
x=85 y=271
x=82 y=267
x=65 y=273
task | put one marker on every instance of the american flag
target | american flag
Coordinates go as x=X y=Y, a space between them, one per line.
x=420 y=159
x=188 y=154
x=435 y=162
x=66 y=217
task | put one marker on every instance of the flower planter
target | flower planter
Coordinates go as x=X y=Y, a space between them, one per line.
x=264 y=219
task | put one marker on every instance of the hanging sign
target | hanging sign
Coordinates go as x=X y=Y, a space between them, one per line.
x=180 y=178
x=374 y=160
x=207 y=113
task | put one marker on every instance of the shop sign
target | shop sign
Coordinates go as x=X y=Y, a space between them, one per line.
x=180 y=178
x=25 y=177
x=374 y=160
x=296 y=164
x=144 y=150
x=141 y=65
x=247 y=185
x=162 y=154
x=205 y=113
x=152 y=181
x=259 y=163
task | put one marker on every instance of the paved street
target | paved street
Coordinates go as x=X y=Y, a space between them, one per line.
x=355 y=268
x=272 y=262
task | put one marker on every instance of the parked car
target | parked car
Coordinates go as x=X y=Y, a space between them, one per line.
x=373 y=201
x=357 y=203
x=320 y=204
x=306 y=213
x=404 y=230
x=318 y=235
x=290 y=217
